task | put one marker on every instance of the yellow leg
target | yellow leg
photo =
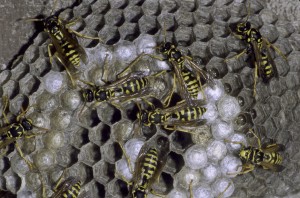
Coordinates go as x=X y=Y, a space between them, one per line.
x=173 y=128
x=30 y=165
x=135 y=61
x=236 y=56
x=68 y=71
x=255 y=79
x=222 y=193
x=123 y=178
x=275 y=48
x=59 y=181
x=72 y=22
x=127 y=158
x=49 y=53
x=5 y=100
x=85 y=36
x=256 y=136
x=167 y=100
x=156 y=194
x=190 y=189
x=104 y=74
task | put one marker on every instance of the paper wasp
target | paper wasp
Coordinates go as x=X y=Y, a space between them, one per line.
x=64 y=44
x=22 y=127
x=258 y=48
x=191 y=78
x=131 y=86
x=265 y=155
x=148 y=166
x=174 y=118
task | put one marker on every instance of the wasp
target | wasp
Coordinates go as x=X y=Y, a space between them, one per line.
x=148 y=167
x=175 y=117
x=14 y=131
x=64 y=44
x=131 y=86
x=258 y=48
x=266 y=156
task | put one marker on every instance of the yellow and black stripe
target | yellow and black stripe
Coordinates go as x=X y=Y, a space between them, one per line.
x=133 y=86
x=70 y=53
x=149 y=165
x=189 y=113
x=73 y=191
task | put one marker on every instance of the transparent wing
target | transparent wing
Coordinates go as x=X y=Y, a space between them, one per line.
x=202 y=74
x=183 y=88
x=273 y=148
x=273 y=167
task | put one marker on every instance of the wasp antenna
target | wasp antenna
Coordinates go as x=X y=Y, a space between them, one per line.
x=54 y=7
x=29 y=19
x=248 y=12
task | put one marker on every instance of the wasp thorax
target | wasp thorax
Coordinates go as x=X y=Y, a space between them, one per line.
x=102 y=95
x=51 y=24
x=27 y=124
x=88 y=95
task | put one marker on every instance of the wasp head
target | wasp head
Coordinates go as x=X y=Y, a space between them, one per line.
x=27 y=124
x=245 y=153
x=52 y=24
x=242 y=28
x=88 y=95
x=143 y=117
x=165 y=47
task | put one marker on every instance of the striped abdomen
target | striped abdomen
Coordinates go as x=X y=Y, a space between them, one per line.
x=67 y=49
x=72 y=191
x=149 y=166
x=192 y=84
x=16 y=130
x=273 y=158
x=132 y=86
x=190 y=113
x=267 y=69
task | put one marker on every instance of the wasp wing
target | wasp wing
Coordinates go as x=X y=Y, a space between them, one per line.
x=273 y=167
x=183 y=88
x=4 y=130
x=6 y=142
x=272 y=148
x=189 y=123
x=203 y=76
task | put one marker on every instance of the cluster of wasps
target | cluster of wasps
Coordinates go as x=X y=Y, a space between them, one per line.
x=191 y=80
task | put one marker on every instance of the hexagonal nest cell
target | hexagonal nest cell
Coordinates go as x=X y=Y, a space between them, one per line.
x=86 y=140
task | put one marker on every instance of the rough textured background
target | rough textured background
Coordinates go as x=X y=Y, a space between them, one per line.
x=198 y=26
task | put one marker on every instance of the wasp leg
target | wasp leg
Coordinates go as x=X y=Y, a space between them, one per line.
x=156 y=194
x=59 y=181
x=136 y=60
x=127 y=158
x=222 y=193
x=236 y=56
x=256 y=136
x=176 y=128
x=85 y=36
x=30 y=165
x=275 y=48
x=123 y=178
x=190 y=189
x=167 y=100
x=104 y=74
x=71 y=23
x=50 y=53
x=255 y=79
x=67 y=70
x=5 y=98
